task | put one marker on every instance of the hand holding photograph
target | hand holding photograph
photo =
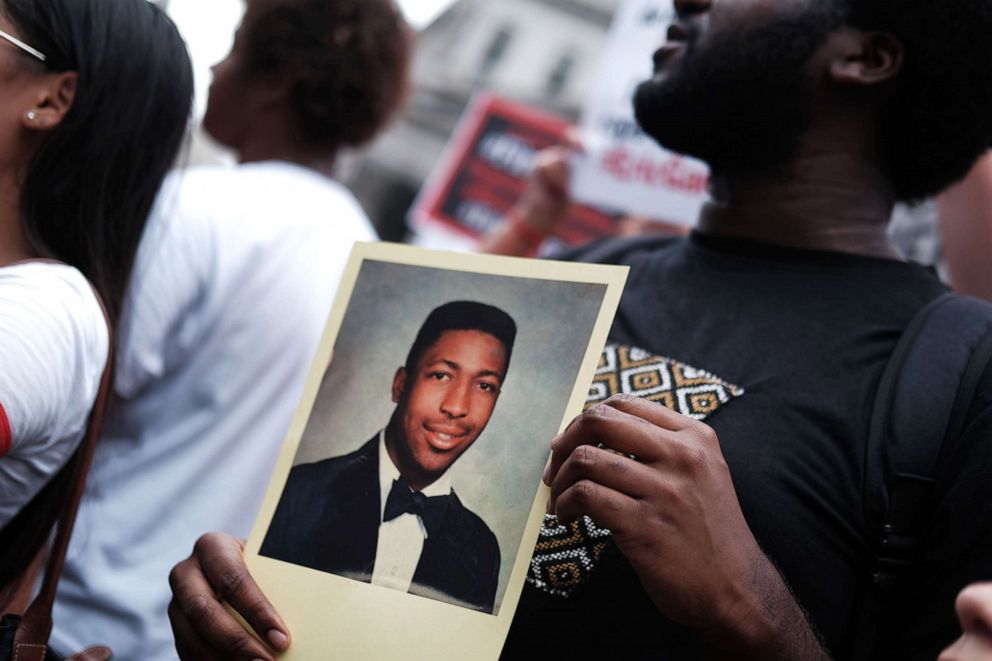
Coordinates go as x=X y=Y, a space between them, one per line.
x=408 y=493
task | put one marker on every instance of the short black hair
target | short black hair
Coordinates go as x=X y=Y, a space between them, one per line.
x=938 y=121
x=349 y=60
x=463 y=315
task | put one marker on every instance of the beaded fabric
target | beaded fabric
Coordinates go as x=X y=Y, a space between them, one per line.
x=566 y=555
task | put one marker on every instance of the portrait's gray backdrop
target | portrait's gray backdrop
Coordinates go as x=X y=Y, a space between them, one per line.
x=497 y=478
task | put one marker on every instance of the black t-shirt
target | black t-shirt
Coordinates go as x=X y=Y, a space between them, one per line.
x=807 y=335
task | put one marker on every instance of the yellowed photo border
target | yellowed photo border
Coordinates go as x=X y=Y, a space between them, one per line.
x=332 y=617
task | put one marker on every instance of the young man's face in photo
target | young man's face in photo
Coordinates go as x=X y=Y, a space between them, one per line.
x=446 y=402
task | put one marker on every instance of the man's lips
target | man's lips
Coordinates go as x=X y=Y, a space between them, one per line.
x=445 y=436
x=675 y=40
x=677 y=33
x=665 y=53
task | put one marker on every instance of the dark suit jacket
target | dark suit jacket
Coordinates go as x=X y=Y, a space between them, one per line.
x=328 y=519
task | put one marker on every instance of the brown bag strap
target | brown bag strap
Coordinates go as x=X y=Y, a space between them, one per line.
x=31 y=639
x=17 y=596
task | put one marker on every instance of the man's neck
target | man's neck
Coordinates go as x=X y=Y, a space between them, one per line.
x=831 y=197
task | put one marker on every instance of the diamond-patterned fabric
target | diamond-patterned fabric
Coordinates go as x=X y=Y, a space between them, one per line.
x=566 y=555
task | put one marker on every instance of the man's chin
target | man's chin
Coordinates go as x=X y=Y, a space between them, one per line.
x=722 y=132
x=664 y=117
x=683 y=138
x=428 y=474
x=678 y=142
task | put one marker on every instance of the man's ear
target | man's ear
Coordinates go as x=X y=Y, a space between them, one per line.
x=399 y=384
x=53 y=102
x=864 y=58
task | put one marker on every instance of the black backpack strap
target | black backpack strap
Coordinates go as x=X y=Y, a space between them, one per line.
x=922 y=400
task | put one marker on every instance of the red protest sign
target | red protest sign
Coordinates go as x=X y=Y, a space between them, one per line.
x=485 y=168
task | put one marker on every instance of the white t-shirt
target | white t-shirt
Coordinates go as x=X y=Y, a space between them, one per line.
x=235 y=278
x=53 y=348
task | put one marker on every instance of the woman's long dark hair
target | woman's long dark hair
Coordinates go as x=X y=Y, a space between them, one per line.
x=90 y=187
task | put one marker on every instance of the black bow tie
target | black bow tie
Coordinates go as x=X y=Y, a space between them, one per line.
x=430 y=509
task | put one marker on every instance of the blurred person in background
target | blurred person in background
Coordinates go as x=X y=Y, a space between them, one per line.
x=965 y=213
x=233 y=284
x=542 y=207
x=952 y=232
x=96 y=97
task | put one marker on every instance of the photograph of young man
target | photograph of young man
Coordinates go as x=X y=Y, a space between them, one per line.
x=386 y=513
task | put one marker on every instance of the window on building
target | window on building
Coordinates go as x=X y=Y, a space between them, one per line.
x=558 y=78
x=496 y=51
